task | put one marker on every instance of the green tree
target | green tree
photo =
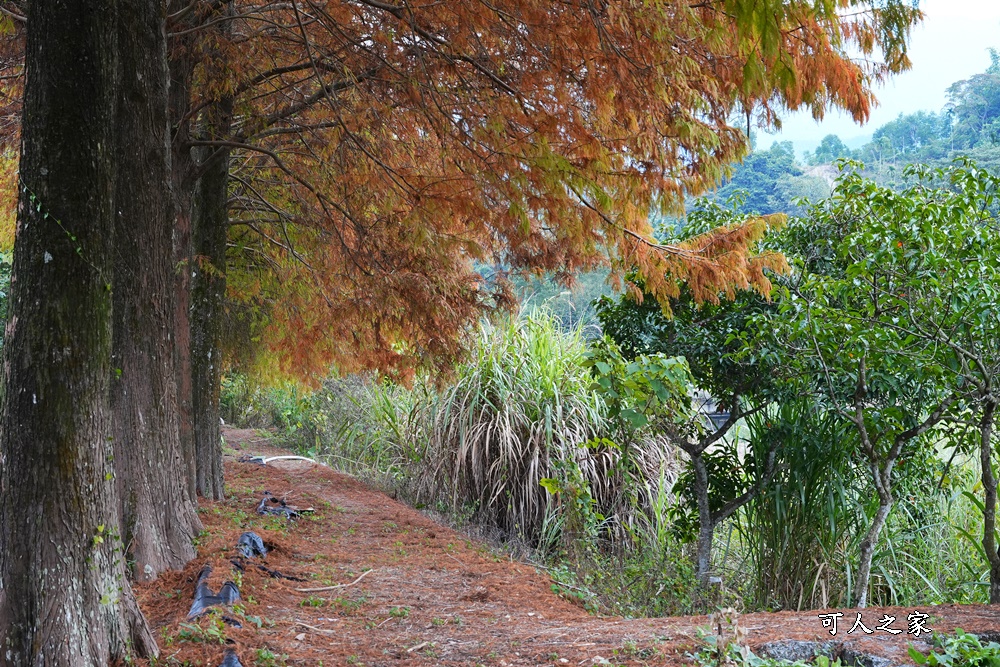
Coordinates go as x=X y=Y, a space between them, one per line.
x=974 y=108
x=920 y=135
x=740 y=374
x=893 y=312
x=757 y=181
x=829 y=149
x=940 y=274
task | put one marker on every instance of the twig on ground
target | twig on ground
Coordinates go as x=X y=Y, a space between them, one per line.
x=314 y=628
x=332 y=588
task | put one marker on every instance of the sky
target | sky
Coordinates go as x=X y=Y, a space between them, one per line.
x=951 y=44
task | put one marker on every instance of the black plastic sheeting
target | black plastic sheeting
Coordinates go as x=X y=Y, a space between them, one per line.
x=204 y=598
x=230 y=659
x=251 y=545
x=271 y=505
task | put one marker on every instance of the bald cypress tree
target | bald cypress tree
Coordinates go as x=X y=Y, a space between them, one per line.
x=66 y=600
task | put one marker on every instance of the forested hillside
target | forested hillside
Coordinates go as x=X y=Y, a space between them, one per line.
x=769 y=181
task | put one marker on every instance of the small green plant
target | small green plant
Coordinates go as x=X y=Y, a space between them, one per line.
x=960 y=650
x=399 y=612
x=268 y=658
x=313 y=601
x=347 y=605
x=210 y=631
x=724 y=647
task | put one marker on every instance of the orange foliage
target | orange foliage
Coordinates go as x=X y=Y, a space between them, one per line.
x=449 y=137
x=394 y=161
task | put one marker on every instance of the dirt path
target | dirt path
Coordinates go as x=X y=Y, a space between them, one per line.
x=428 y=595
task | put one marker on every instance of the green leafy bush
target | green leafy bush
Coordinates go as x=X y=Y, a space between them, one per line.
x=959 y=650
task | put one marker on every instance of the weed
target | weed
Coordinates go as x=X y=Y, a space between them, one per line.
x=268 y=658
x=209 y=631
x=347 y=605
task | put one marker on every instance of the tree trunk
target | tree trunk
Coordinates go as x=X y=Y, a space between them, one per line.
x=159 y=519
x=181 y=67
x=210 y=225
x=868 y=545
x=990 y=500
x=208 y=290
x=66 y=600
x=706 y=527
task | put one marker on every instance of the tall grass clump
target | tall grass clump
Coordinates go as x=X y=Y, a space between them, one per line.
x=932 y=551
x=520 y=411
x=799 y=535
x=797 y=541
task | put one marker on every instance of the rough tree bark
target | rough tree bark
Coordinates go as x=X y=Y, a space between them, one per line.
x=66 y=600
x=210 y=224
x=200 y=181
x=184 y=175
x=208 y=289
x=159 y=518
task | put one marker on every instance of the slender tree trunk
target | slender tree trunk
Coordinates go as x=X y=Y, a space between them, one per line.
x=868 y=544
x=990 y=500
x=706 y=527
x=210 y=225
x=158 y=517
x=66 y=600
x=208 y=290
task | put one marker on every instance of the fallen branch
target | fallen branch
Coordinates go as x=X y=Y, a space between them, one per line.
x=314 y=628
x=332 y=588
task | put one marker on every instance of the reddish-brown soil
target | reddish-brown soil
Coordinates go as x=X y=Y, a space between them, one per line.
x=430 y=596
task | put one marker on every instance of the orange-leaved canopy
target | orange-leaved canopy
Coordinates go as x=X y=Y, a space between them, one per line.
x=395 y=161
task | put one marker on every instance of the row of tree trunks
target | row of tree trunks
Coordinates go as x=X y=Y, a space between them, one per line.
x=66 y=599
x=201 y=183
